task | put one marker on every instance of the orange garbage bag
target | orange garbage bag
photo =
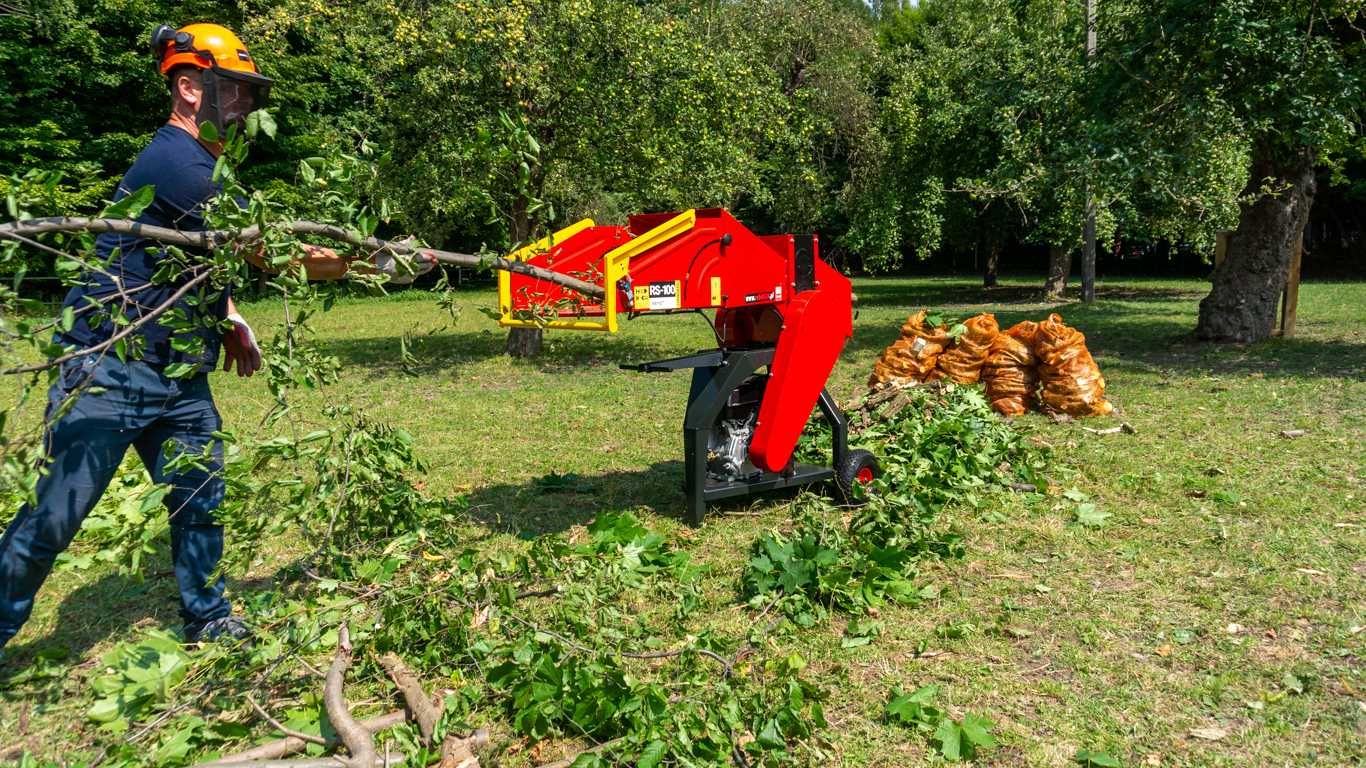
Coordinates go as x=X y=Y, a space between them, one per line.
x=1009 y=374
x=1071 y=379
x=913 y=356
x=964 y=360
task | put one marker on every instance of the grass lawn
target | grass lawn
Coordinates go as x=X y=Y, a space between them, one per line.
x=1224 y=598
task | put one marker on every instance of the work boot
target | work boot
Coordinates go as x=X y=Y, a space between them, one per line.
x=227 y=627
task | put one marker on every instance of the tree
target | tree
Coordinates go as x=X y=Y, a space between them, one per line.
x=983 y=118
x=500 y=120
x=820 y=64
x=1000 y=131
x=1286 y=77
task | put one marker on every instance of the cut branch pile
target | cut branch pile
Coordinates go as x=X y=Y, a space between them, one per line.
x=358 y=736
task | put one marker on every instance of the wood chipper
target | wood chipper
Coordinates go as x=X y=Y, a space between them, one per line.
x=777 y=306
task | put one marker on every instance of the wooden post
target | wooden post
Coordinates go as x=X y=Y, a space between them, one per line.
x=1290 y=300
x=1220 y=248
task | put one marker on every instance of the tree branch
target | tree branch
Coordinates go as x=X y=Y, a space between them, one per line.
x=210 y=238
x=358 y=741
x=426 y=713
x=112 y=340
x=277 y=725
x=280 y=748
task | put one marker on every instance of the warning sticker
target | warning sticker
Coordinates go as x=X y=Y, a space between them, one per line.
x=656 y=296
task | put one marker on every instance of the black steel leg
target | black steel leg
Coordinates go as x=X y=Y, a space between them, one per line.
x=711 y=388
x=839 y=428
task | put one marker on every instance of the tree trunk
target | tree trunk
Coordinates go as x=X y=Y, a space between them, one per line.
x=1059 y=266
x=1241 y=306
x=523 y=342
x=993 y=262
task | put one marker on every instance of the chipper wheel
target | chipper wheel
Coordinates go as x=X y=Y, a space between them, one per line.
x=854 y=477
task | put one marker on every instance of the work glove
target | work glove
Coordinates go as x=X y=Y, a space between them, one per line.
x=403 y=270
x=239 y=345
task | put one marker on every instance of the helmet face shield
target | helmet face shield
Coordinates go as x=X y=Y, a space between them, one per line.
x=230 y=96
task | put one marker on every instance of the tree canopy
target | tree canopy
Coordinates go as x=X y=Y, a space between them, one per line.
x=893 y=130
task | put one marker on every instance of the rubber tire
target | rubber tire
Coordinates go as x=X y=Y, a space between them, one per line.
x=846 y=475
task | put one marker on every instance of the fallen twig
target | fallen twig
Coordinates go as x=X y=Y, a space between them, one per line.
x=1126 y=428
x=555 y=590
x=358 y=741
x=277 y=725
x=1291 y=434
x=290 y=745
x=392 y=759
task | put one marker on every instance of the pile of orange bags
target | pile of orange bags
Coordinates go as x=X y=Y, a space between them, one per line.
x=1012 y=364
x=1071 y=379
x=964 y=360
x=1009 y=373
x=912 y=357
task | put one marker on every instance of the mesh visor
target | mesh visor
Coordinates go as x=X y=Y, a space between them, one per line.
x=238 y=94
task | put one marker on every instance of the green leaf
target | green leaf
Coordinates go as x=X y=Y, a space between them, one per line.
x=181 y=370
x=769 y=738
x=208 y=132
x=1091 y=759
x=132 y=205
x=950 y=738
x=264 y=121
x=652 y=755
x=977 y=730
x=1293 y=683
x=1089 y=516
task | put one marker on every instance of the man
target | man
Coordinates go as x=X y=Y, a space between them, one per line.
x=158 y=401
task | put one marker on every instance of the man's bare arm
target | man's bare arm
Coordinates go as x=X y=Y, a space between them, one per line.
x=319 y=263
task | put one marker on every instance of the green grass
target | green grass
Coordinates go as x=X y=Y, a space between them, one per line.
x=1118 y=638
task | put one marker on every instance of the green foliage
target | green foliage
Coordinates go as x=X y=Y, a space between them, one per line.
x=957 y=739
x=127 y=526
x=356 y=488
x=1095 y=759
x=945 y=445
x=66 y=63
x=137 y=679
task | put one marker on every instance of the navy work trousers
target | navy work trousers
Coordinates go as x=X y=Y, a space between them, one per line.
x=121 y=404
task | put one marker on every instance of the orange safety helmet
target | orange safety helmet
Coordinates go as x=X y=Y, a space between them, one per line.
x=233 y=86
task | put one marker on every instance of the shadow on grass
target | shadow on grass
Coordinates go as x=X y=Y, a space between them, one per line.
x=555 y=503
x=94 y=612
x=447 y=352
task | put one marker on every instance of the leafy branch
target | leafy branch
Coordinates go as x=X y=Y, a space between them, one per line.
x=300 y=228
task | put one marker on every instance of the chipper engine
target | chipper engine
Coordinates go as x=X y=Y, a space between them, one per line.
x=781 y=318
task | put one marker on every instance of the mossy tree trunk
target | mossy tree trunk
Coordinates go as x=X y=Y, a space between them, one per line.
x=1241 y=306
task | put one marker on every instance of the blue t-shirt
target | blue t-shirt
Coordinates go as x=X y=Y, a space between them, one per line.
x=181 y=171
